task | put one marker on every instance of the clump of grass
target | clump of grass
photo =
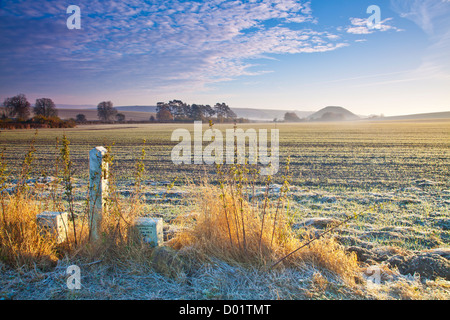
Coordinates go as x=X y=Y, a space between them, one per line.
x=214 y=230
x=218 y=229
x=329 y=255
x=21 y=240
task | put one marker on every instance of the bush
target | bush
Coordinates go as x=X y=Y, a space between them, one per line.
x=81 y=118
x=37 y=122
x=53 y=122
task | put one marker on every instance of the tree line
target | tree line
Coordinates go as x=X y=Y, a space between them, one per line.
x=18 y=109
x=174 y=111
x=177 y=110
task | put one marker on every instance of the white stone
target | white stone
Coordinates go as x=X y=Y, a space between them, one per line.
x=55 y=223
x=151 y=230
x=98 y=189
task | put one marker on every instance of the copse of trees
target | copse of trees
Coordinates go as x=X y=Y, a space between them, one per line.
x=18 y=110
x=224 y=112
x=163 y=113
x=291 y=117
x=18 y=106
x=177 y=110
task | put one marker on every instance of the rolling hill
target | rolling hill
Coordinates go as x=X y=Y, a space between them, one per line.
x=75 y=106
x=137 y=108
x=91 y=114
x=333 y=114
x=420 y=116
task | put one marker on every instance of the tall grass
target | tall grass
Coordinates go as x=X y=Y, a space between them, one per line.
x=24 y=243
x=229 y=224
x=21 y=241
x=67 y=182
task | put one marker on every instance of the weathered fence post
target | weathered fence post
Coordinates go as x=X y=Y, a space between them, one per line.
x=98 y=189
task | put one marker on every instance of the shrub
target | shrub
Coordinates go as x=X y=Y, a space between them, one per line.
x=36 y=123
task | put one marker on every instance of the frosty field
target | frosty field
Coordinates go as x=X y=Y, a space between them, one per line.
x=396 y=174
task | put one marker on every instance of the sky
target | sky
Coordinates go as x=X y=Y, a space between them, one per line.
x=264 y=54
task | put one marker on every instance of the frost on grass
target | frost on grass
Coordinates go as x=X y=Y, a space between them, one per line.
x=214 y=280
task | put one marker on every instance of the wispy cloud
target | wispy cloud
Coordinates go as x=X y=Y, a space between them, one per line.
x=155 y=43
x=359 y=26
x=432 y=16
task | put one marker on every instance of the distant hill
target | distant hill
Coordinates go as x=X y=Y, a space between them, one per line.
x=333 y=114
x=91 y=114
x=137 y=108
x=266 y=114
x=75 y=106
x=419 y=116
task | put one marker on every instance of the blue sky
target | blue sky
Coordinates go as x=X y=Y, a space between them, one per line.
x=267 y=54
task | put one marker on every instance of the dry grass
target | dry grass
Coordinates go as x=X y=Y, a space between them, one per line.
x=24 y=244
x=119 y=241
x=21 y=241
x=235 y=233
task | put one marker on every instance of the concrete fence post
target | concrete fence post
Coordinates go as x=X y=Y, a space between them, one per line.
x=151 y=230
x=53 y=223
x=98 y=189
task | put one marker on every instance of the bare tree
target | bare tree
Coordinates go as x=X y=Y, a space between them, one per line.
x=105 y=111
x=45 y=107
x=80 y=118
x=120 y=117
x=17 y=106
